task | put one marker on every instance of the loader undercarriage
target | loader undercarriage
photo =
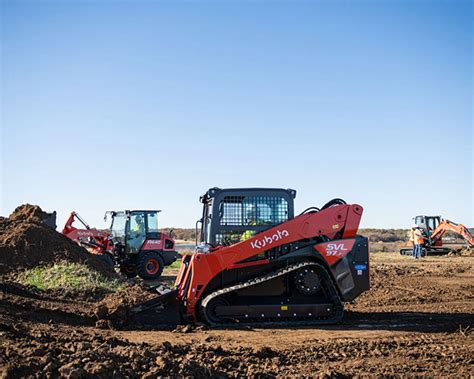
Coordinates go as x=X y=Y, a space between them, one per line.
x=307 y=296
x=303 y=294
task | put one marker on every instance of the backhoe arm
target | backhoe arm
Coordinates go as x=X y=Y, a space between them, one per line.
x=446 y=226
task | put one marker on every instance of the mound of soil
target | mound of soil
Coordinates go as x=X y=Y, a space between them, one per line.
x=26 y=241
x=29 y=213
x=112 y=311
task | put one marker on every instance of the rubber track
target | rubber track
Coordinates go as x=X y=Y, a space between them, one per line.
x=335 y=299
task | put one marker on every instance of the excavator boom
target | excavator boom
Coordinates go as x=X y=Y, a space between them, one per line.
x=445 y=226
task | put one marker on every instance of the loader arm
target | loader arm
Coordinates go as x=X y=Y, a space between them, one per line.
x=91 y=237
x=446 y=226
x=68 y=228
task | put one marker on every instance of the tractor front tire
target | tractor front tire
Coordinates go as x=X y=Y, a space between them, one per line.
x=149 y=265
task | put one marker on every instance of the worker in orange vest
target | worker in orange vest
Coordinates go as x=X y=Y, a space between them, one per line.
x=418 y=240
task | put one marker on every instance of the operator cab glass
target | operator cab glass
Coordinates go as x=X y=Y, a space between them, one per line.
x=141 y=225
x=136 y=232
x=119 y=220
x=132 y=228
x=152 y=222
x=251 y=210
x=234 y=215
x=432 y=223
x=428 y=223
x=420 y=221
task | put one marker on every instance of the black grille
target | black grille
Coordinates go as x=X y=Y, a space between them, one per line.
x=253 y=210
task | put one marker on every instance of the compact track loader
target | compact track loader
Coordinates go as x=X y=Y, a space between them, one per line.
x=258 y=263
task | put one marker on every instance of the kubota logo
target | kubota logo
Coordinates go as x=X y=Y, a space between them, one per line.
x=84 y=233
x=335 y=249
x=268 y=240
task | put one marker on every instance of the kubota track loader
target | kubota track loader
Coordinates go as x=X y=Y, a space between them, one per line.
x=259 y=264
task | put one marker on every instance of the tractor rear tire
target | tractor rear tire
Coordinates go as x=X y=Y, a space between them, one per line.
x=149 y=265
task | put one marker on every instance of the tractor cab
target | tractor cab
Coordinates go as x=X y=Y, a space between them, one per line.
x=133 y=228
x=428 y=223
x=233 y=215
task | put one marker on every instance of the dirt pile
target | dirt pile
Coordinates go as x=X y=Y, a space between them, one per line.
x=30 y=213
x=27 y=241
x=112 y=311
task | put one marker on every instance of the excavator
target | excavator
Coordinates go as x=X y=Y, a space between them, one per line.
x=258 y=263
x=433 y=229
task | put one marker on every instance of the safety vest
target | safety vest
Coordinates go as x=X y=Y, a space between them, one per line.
x=246 y=235
x=138 y=228
x=418 y=237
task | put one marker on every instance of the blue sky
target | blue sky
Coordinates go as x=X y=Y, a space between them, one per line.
x=123 y=105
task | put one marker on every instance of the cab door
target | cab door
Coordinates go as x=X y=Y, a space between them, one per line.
x=136 y=232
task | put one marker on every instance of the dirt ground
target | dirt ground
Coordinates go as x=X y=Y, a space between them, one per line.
x=416 y=320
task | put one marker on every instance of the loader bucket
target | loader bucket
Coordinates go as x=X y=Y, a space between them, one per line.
x=50 y=220
x=162 y=312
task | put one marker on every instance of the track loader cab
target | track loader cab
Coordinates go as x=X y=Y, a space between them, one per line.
x=234 y=215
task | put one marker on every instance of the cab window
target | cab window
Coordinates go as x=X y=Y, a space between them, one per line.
x=137 y=223
x=253 y=210
x=118 y=225
x=152 y=221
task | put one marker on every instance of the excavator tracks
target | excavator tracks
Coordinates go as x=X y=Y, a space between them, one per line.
x=216 y=310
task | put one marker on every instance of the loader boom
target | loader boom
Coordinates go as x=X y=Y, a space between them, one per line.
x=97 y=240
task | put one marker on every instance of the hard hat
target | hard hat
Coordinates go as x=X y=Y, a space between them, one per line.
x=414 y=226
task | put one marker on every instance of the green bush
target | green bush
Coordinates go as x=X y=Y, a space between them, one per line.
x=69 y=276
